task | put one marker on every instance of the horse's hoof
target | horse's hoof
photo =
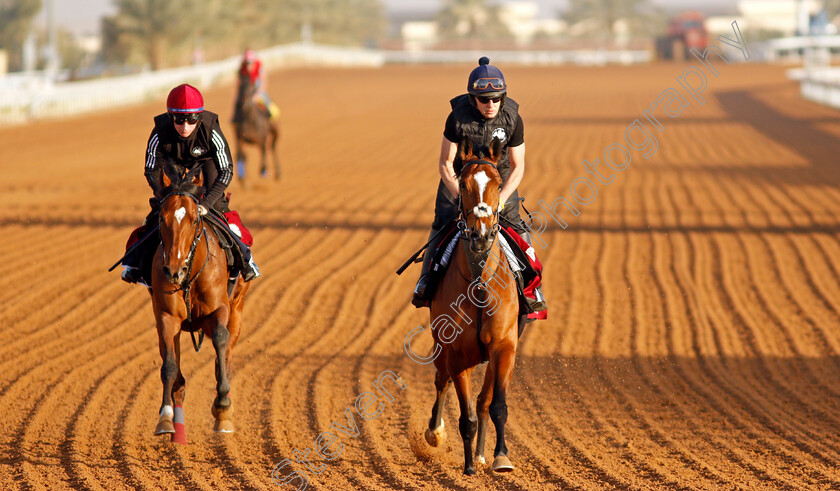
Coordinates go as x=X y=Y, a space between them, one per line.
x=435 y=437
x=222 y=413
x=223 y=426
x=164 y=427
x=479 y=459
x=469 y=471
x=502 y=464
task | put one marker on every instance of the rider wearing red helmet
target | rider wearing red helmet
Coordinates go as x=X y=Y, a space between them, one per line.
x=481 y=114
x=188 y=135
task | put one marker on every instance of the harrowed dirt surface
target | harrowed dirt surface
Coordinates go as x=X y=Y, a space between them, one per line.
x=692 y=339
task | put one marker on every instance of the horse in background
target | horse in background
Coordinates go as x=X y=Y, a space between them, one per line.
x=189 y=289
x=254 y=126
x=475 y=315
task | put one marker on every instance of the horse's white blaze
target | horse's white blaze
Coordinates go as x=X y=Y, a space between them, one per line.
x=179 y=254
x=483 y=229
x=481 y=179
x=180 y=213
x=167 y=413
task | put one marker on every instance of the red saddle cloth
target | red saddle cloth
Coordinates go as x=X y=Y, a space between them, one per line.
x=534 y=279
x=235 y=225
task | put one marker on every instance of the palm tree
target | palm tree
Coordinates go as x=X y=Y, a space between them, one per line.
x=15 y=23
x=470 y=19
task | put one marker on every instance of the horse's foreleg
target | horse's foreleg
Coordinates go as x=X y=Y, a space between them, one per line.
x=275 y=136
x=503 y=362
x=222 y=406
x=468 y=421
x=168 y=330
x=240 y=161
x=263 y=158
x=436 y=433
x=482 y=407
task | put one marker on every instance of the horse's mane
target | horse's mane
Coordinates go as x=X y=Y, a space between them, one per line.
x=182 y=180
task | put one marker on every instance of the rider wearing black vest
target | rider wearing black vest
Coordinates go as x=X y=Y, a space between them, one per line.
x=483 y=113
x=187 y=135
x=205 y=147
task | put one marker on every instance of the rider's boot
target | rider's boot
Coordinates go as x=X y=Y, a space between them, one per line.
x=537 y=303
x=250 y=270
x=132 y=261
x=419 y=298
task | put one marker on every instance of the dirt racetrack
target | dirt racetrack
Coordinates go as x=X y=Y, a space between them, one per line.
x=693 y=337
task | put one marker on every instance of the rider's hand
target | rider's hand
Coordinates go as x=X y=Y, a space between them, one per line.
x=501 y=203
x=202 y=210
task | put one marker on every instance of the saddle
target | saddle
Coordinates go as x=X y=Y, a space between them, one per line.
x=226 y=227
x=522 y=258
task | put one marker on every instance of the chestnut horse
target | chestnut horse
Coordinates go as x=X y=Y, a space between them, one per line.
x=253 y=126
x=475 y=313
x=189 y=293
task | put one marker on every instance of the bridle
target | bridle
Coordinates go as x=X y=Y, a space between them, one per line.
x=474 y=258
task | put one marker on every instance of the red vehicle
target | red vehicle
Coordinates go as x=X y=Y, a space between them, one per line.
x=688 y=30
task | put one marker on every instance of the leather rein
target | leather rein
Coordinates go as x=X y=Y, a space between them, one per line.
x=185 y=286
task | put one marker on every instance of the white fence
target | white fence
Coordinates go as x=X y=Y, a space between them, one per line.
x=576 y=57
x=819 y=84
x=36 y=96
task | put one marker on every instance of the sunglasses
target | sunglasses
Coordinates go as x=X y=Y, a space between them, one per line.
x=484 y=83
x=191 y=118
x=485 y=100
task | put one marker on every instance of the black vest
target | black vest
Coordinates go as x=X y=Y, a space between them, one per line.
x=196 y=149
x=189 y=151
x=469 y=123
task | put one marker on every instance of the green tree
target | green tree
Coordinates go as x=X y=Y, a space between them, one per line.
x=345 y=22
x=150 y=28
x=470 y=19
x=603 y=14
x=15 y=23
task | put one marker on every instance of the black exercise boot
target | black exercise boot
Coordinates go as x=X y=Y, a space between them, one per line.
x=250 y=270
x=419 y=299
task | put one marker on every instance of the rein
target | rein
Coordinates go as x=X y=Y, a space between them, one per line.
x=475 y=259
x=200 y=229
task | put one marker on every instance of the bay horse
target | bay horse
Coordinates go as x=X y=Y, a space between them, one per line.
x=253 y=126
x=189 y=289
x=475 y=315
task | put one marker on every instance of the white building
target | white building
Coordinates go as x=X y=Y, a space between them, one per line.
x=785 y=16
x=418 y=35
x=521 y=20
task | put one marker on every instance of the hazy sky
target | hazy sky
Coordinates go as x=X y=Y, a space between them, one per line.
x=82 y=16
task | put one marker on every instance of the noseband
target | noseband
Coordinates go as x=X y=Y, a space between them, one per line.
x=474 y=258
x=199 y=229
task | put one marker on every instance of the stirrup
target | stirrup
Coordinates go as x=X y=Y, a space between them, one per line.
x=418 y=298
x=251 y=271
x=132 y=275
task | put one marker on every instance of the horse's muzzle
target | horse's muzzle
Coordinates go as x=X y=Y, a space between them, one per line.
x=177 y=277
x=481 y=244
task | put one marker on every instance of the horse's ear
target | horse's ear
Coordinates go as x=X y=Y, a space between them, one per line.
x=168 y=172
x=466 y=149
x=195 y=176
x=495 y=150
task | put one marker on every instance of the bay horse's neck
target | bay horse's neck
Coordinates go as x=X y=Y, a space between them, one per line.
x=493 y=261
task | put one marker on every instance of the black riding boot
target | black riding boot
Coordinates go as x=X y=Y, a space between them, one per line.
x=420 y=298
x=249 y=266
x=537 y=304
